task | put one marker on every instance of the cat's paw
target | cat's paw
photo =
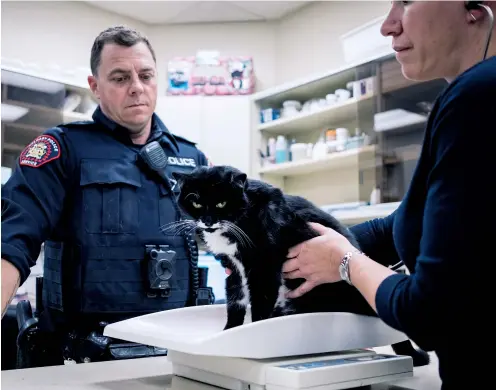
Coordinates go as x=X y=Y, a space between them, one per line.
x=230 y=326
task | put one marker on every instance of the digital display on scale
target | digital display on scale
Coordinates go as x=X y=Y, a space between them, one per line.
x=335 y=362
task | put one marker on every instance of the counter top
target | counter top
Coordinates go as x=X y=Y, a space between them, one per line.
x=156 y=374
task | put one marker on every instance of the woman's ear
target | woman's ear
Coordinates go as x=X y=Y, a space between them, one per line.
x=475 y=12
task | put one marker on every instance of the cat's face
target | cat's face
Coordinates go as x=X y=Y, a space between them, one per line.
x=212 y=196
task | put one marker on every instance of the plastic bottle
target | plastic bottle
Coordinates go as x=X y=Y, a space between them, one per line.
x=320 y=148
x=281 y=149
x=375 y=196
x=290 y=154
x=271 y=152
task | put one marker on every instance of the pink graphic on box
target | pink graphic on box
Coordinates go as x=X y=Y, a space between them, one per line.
x=212 y=75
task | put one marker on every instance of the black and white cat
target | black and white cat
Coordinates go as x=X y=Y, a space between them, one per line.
x=250 y=225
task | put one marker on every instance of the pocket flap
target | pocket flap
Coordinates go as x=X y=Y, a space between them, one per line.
x=105 y=171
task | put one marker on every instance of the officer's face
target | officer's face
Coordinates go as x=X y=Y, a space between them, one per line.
x=126 y=85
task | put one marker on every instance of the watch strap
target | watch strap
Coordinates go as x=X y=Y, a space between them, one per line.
x=344 y=266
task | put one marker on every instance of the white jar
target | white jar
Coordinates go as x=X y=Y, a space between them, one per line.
x=298 y=151
x=342 y=135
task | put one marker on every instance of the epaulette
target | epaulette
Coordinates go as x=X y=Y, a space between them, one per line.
x=180 y=138
x=76 y=124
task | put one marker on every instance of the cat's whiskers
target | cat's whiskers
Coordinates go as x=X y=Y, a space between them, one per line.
x=239 y=233
x=180 y=231
x=173 y=225
x=179 y=226
x=190 y=230
x=234 y=233
x=247 y=238
x=183 y=229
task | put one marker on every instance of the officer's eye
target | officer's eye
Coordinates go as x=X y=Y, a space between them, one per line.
x=220 y=205
x=196 y=205
x=119 y=79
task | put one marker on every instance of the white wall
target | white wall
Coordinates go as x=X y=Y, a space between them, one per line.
x=302 y=43
x=63 y=32
x=54 y=32
x=233 y=39
x=305 y=42
x=308 y=41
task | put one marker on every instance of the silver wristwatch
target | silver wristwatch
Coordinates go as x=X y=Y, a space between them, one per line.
x=344 y=267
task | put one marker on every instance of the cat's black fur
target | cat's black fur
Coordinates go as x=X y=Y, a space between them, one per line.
x=274 y=222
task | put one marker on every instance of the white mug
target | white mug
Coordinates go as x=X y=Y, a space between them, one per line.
x=342 y=94
x=331 y=98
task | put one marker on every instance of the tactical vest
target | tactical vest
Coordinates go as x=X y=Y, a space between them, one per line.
x=96 y=260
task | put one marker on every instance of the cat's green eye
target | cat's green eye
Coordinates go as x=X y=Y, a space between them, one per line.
x=220 y=205
x=196 y=205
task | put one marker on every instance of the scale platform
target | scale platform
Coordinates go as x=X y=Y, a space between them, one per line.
x=307 y=351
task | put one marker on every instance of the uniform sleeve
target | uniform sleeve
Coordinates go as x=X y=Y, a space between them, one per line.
x=33 y=199
x=457 y=226
x=376 y=239
x=202 y=159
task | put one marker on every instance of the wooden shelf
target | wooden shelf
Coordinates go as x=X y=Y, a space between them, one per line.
x=332 y=161
x=328 y=116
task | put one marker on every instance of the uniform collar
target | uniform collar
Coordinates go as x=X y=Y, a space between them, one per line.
x=158 y=130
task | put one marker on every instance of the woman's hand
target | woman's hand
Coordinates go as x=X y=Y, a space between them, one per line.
x=316 y=260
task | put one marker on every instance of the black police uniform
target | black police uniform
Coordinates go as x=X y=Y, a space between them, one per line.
x=84 y=191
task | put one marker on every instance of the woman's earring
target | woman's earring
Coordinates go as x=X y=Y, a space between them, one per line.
x=473 y=17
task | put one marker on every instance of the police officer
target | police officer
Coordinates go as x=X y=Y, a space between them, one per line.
x=84 y=190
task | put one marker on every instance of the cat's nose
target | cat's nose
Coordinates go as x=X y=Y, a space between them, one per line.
x=207 y=221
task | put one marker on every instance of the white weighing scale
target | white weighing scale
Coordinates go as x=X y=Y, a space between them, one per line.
x=306 y=351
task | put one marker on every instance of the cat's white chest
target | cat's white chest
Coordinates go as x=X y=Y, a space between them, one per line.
x=282 y=301
x=220 y=244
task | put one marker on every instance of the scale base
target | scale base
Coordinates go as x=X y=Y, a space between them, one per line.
x=333 y=371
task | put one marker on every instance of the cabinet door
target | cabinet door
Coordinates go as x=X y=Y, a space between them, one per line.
x=225 y=135
x=182 y=115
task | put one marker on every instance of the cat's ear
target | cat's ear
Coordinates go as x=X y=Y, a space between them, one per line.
x=239 y=179
x=180 y=178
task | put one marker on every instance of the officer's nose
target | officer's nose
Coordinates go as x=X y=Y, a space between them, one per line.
x=136 y=86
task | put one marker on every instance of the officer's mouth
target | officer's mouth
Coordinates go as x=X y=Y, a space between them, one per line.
x=136 y=105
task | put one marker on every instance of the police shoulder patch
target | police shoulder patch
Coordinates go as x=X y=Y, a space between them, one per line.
x=41 y=150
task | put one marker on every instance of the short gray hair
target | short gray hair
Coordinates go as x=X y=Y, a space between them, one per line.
x=119 y=35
